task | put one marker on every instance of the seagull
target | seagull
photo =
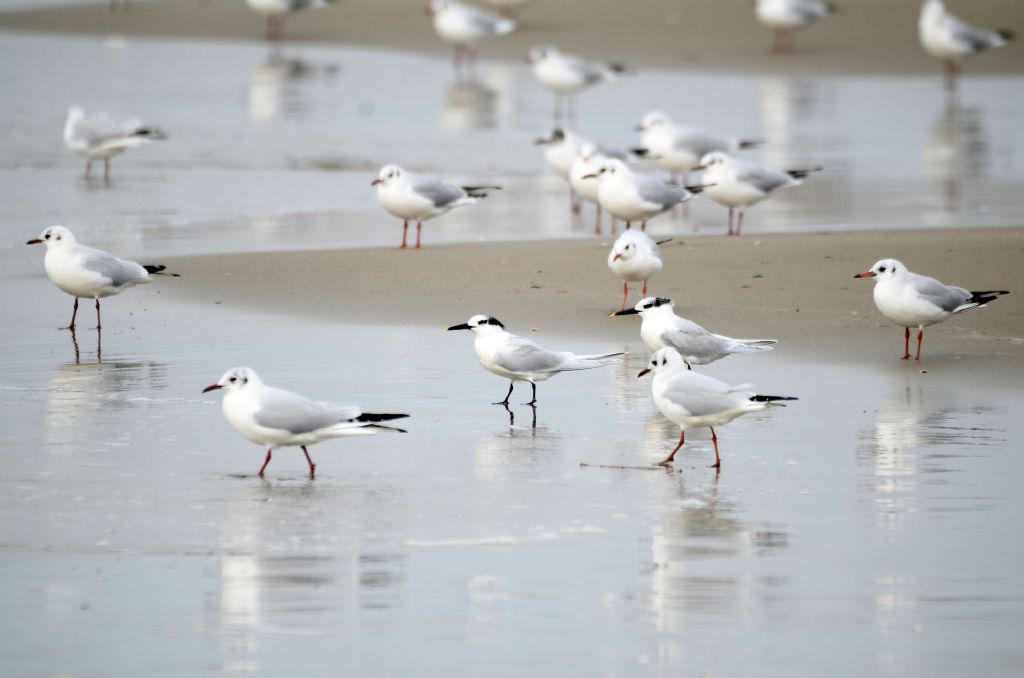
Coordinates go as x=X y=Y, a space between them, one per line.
x=789 y=16
x=693 y=400
x=634 y=257
x=631 y=196
x=100 y=137
x=519 y=359
x=561 y=149
x=88 y=273
x=735 y=184
x=661 y=327
x=465 y=26
x=273 y=417
x=567 y=74
x=952 y=40
x=678 y=150
x=583 y=179
x=276 y=10
x=411 y=196
x=913 y=300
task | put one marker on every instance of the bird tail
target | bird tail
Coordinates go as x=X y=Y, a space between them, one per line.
x=980 y=299
x=750 y=345
x=698 y=189
x=757 y=343
x=1006 y=35
x=801 y=173
x=151 y=133
x=770 y=399
x=747 y=144
x=640 y=152
x=479 y=191
x=617 y=67
x=601 y=356
x=159 y=270
x=374 y=418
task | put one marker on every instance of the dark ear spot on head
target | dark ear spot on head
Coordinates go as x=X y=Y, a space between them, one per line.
x=495 y=321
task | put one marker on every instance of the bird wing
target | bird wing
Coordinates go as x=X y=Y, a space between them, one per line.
x=690 y=339
x=700 y=395
x=764 y=179
x=287 y=411
x=98 y=129
x=118 y=271
x=946 y=297
x=658 y=192
x=520 y=355
x=439 y=193
x=976 y=39
x=700 y=143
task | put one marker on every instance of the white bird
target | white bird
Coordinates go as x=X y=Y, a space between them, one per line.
x=412 y=196
x=678 y=150
x=273 y=417
x=567 y=74
x=100 y=137
x=634 y=257
x=738 y=185
x=88 y=273
x=789 y=16
x=561 y=149
x=465 y=26
x=519 y=359
x=632 y=196
x=952 y=40
x=277 y=10
x=693 y=400
x=661 y=327
x=583 y=179
x=913 y=300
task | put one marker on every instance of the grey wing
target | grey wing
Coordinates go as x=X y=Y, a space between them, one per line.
x=485 y=22
x=523 y=356
x=700 y=395
x=658 y=192
x=439 y=193
x=97 y=129
x=700 y=144
x=977 y=39
x=764 y=179
x=946 y=297
x=590 y=72
x=287 y=411
x=118 y=271
x=690 y=339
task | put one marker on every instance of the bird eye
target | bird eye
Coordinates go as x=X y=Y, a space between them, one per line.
x=47 y=236
x=882 y=269
x=233 y=379
x=662 y=361
x=58 y=237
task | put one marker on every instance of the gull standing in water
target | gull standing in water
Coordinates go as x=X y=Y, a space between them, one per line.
x=789 y=16
x=678 y=150
x=100 y=137
x=584 y=181
x=273 y=417
x=567 y=74
x=465 y=26
x=86 y=272
x=661 y=327
x=693 y=400
x=561 y=150
x=631 y=196
x=952 y=40
x=519 y=359
x=738 y=185
x=913 y=300
x=411 y=196
x=634 y=257
x=277 y=10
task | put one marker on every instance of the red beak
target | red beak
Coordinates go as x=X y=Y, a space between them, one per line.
x=699 y=168
x=639 y=128
x=34 y=241
x=865 y=274
x=212 y=387
x=376 y=181
x=617 y=255
x=642 y=373
x=589 y=176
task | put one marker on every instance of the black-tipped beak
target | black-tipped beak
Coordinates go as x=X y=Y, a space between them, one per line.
x=628 y=311
x=376 y=182
x=462 y=326
x=34 y=241
x=212 y=387
x=865 y=274
x=589 y=176
x=643 y=372
x=542 y=141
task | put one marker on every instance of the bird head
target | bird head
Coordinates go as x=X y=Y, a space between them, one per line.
x=54 y=236
x=663 y=361
x=652 y=121
x=479 y=324
x=884 y=269
x=235 y=379
x=648 y=306
x=387 y=173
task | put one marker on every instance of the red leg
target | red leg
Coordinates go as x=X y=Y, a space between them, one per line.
x=644 y=294
x=668 y=460
x=74 y=313
x=906 y=343
x=629 y=225
x=405 y=233
x=714 y=441
x=419 y=226
x=88 y=168
x=643 y=225
x=106 y=169
x=730 y=222
x=597 y=222
x=920 y=336
x=574 y=202
x=739 y=221
x=98 y=325
x=625 y=294
x=265 y=462
x=312 y=466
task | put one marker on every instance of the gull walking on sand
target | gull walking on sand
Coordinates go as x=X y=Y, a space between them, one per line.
x=97 y=136
x=692 y=400
x=88 y=273
x=632 y=196
x=952 y=40
x=519 y=359
x=787 y=17
x=678 y=150
x=465 y=26
x=913 y=300
x=661 y=327
x=738 y=185
x=273 y=417
x=634 y=257
x=411 y=196
x=277 y=10
x=567 y=74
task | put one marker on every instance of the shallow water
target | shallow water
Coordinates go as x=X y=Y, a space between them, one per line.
x=276 y=150
x=867 y=529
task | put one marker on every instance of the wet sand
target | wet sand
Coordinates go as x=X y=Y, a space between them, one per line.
x=709 y=35
x=797 y=288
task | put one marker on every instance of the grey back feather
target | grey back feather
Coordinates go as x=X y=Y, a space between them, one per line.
x=287 y=411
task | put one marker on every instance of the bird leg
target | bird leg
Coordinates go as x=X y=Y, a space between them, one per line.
x=88 y=168
x=575 y=202
x=739 y=221
x=629 y=224
x=643 y=225
x=74 y=313
x=644 y=293
x=625 y=294
x=419 y=225
x=106 y=169
x=597 y=221
x=508 y=395
x=730 y=221
x=533 y=401
x=98 y=325
x=265 y=462
x=668 y=460
x=74 y=344
x=920 y=336
x=312 y=466
x=906 y=343
x=405 y=232
x=615 y=225
x=714 y=441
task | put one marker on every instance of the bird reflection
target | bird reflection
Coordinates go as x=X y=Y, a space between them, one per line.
x=956 y=148
x=784 y=104
x=77 y=350
x=632 y=393
x=274 y=93
x=468 y=105
x=512 y=415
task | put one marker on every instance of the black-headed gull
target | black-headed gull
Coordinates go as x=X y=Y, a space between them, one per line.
x=519 y=359
x=86 y=272
x=789 y=16
x=567 y=74
x=678 y=150
x=952 y=40
x=97 y=136
x=661 y=327
x=412 y=196
x=277 y=10
x=561 y=150
x=632 y=196
x=465 y=26
x=692 y=400
x=634 y=258
x=584 y=181
x=273 y=417
x=738 y=185
x=913 y=300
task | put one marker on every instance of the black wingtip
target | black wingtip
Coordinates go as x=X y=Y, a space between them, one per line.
x=617 y=67
x=1006 y=34
x=640 y=152
x=770 y=398
x=982 y=298
x=801 y=173
x=375 y=417
x=747 y=144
